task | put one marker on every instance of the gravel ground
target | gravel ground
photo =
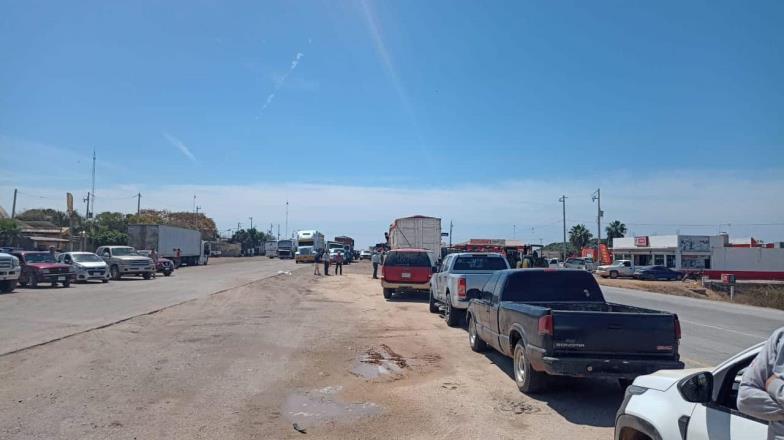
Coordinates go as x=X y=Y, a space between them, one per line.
x=324 y=355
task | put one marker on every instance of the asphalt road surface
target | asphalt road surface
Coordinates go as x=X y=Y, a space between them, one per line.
x=712 y=330
x=33 y=316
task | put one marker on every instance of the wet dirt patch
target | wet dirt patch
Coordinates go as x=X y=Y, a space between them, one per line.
x=321 y=406
x=376 y=362
x=513 y=407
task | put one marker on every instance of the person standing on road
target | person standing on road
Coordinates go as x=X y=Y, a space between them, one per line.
x=326 y=263
x=761 y=392
x=154 y=258
x=375 y=259
x=317 y=261
x=339 y=263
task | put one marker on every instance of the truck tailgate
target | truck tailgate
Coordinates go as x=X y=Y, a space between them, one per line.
x=611 y=333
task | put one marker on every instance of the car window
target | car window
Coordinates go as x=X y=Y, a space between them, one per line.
x=489 y=286
x=407 y=259
x=478 y=262
x=552 y=285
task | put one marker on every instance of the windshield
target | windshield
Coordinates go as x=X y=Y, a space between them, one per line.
x=407 y=259
x=86 y=258
x=284 y=243
x=123 y=251
x=551 y=286
x=305 y=250
x=479 y=262
x=39 y=258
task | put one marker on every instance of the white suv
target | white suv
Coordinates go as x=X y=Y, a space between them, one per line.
x=689 y=404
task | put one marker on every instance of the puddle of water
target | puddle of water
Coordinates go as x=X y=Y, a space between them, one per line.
x=378 y=362
x=319 y=406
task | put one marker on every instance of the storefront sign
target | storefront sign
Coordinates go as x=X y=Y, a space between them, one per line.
x=641 y=241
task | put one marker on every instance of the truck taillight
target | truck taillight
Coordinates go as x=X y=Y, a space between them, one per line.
x=546 y=325
x=461 y=288
x=677 y=328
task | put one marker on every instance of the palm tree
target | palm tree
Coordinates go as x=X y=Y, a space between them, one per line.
x=579 y=236
x=615 y=229
x=9 y=232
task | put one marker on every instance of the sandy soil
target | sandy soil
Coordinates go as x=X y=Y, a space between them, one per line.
x=324 y=355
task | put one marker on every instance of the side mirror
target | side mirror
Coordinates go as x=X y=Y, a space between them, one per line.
x=697 y=388
x=474 y=294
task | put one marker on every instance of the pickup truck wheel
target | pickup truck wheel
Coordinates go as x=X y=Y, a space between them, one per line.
x=451 y=316
x=433 y=307
x=388 y=293
x=528 y=380
x=67 y=283
x=147 y=275
x=477 y=344
x=166 y=273
x=614 y=274
x=7 y=286
x=33 y=282
x=115 y=271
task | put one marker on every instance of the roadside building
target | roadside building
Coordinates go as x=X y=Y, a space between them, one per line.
x=41 y=235
x=711 y=255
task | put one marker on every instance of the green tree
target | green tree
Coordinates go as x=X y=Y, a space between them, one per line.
x=112 y=221
x=615 y=229
x=10 y=232
x=579 y=236
x=58 y=218
x=108 y=237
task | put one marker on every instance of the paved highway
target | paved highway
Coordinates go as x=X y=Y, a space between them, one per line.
x=33 y=316
x=712 y=331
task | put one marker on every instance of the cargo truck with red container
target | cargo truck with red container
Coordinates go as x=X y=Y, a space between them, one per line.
x=348 y=246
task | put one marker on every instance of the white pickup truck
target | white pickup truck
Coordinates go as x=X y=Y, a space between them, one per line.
x=619 y=268
x=9 y=272
x=457 y=274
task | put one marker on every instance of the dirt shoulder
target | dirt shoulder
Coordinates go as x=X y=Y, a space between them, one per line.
x=327 y=354
x=752 y=293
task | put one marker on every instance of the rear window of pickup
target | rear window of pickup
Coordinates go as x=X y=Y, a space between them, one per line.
x=551 y=286
x=479 y=262
x=407 y=259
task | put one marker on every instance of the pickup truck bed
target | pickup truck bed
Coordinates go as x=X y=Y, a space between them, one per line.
x=580 y=335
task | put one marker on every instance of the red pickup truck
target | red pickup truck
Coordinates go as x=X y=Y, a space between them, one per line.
x=41 y=267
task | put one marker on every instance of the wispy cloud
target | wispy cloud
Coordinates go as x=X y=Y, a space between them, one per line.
x=180 y=146
x=279 y=84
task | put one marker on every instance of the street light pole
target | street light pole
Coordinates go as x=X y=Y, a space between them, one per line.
x=597 y=197
x=562 y=199
x=251 y=222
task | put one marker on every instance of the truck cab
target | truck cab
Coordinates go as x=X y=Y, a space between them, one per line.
x=124 y=260
x=9 y=272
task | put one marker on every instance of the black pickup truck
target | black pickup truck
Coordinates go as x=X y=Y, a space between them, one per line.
x=556 y=322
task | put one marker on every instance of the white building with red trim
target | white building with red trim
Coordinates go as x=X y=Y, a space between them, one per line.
x=712 y=255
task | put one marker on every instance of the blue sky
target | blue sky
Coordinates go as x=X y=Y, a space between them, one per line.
x=404 y=96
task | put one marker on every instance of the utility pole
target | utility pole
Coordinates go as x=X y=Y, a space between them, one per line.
x=514 y=232
x=91 y=194
x=450 y=233
x=13 y=207
x=251 y=222
x=138 y=203
x=194 y=203
x=198 y=208
x=597 y=197
x=287 y=218
x=563 y=201
x=239 y=225
x=278 y=231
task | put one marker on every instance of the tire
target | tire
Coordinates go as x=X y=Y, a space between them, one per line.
x=115 y=271
x=624 y=383
x=614 y=274
x=451 y=315
x=474 y=340
x=32 y=282
x=104 y=281
x=147 y=275
x=167 y=273
x=388 y=293
x=528 y=380
x=67 y=283
x=433 y=306
x=7 y=286
x=54 y=283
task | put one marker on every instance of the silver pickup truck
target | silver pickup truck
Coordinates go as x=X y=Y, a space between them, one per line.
x=124 y=260
x=457 y=274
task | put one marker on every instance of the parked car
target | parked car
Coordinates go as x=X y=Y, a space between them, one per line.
x=42 y=267
x=557 y=322
x=657 y=273
x=457 y=274
x=9 y=272
x=164 y=265
x=578 y=263
x=406 y=270
x=85 y=266
x=694 y=403
x=619 y=268
x=365 y=255
x=124 y=260
x=553 y=263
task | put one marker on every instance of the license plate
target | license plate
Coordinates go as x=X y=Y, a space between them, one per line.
x=60 y=278
x=405 y=275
